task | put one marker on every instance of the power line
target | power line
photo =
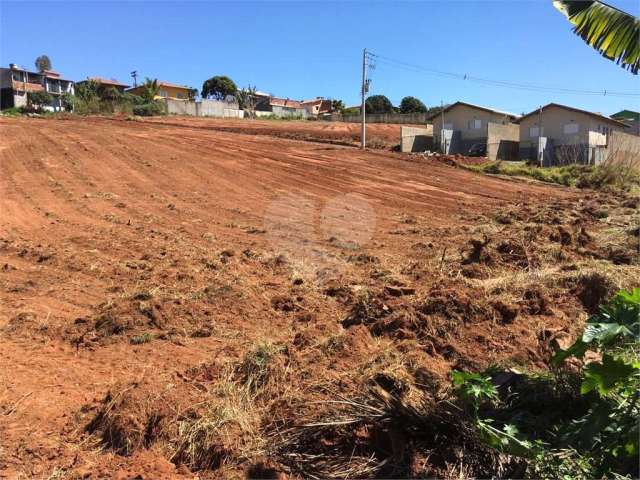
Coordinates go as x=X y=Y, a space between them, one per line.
x=382 y=60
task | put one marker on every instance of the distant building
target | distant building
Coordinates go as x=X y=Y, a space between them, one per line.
x=104 y=83
x=17 y=82
x=631 y=118
x=317 y=106
x=166 y=90
x=280 y=107
x=568 y=135
x=465 y=125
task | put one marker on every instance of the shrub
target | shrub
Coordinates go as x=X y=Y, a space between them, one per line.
x=68 y=101
x=585 y=430
x=605 y=176
x=149 y=109
x=39 y=100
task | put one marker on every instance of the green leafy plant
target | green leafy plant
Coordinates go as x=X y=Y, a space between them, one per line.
x=412 y=105
x=219 y=87
x=610 y=31
x=43 y=63
x=598 y=436
x=39 y=100
x=378 y=104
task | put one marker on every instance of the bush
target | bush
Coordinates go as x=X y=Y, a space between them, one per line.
x=149 y=109
x=68 y=101
x=605 y=176
x=39 y=100
x=582 y=429
x=13 y=111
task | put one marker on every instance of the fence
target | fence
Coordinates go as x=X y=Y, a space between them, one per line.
x=623 y=148
x=404 y=118
x=203 y=108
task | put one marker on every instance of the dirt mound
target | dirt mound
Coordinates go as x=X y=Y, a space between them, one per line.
x=136 y=415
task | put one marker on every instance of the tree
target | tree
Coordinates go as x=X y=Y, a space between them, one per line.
x=219 y=87
x=87 y=91
x=247 y=100
x=68 y=101
x=43 y=63
x=610 y=31
x=412 y=105
x=337 y=106
x=378 y=104
x=38 y=100
x=150 y=89
x=110 y=94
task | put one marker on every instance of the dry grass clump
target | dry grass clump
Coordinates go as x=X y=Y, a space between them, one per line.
x=226 y=429
x=380 y=434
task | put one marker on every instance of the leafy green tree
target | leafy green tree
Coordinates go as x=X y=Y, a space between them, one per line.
x=378 y=104
x=87 y=91
x=612 y=32
x=412 y=105
x=150 y=89
x=247 y=99
x=110 y=94
x=38 y=100
x=219 y=87
x=337 y=106
x=43 y=63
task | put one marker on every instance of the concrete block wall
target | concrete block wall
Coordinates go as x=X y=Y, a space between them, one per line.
x=502 y=141
x=415 y=139
x=203 y=108
x=404 y=118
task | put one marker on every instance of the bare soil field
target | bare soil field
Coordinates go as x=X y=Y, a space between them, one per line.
x=185 y=297
x=339 y=133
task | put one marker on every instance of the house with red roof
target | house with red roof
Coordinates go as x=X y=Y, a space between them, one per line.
x=280 y=107
x=104 y=83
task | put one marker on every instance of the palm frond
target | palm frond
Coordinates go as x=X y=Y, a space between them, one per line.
x=612 y=32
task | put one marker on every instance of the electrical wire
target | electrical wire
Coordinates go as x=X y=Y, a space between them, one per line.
x=381 y=60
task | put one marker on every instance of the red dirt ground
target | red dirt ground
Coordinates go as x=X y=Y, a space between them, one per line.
x=212 y=241
x=340 y=133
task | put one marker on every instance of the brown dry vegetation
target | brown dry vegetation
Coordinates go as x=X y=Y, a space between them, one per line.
x=153 y=324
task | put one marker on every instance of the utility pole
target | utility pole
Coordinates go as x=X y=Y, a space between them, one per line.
x=540 y=146
x=134 y=74
x=443 y=141
x=363 y=128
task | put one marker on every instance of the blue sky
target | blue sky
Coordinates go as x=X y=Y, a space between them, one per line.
x=307 y=49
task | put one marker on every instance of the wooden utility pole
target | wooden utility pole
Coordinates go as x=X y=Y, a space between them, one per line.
x=363 y=128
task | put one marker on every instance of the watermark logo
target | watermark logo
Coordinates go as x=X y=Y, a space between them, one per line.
x=312 y=233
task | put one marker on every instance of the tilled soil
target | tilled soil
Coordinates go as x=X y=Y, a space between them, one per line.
x=156 y=274
x=379 y=135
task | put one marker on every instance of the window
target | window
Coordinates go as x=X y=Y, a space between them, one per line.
x=162 y=93
x=448 y=126
x=475 y=124
x=180 y=95
x=535 y=132
x=571 y=128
